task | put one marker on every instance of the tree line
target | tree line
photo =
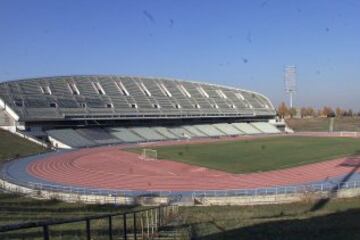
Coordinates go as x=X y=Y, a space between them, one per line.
x=284 y=111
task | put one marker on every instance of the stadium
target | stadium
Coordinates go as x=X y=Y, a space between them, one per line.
x=152 y=141
x=164 y=120
x=146 y=152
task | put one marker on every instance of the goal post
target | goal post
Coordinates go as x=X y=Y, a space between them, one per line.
x=149 y=154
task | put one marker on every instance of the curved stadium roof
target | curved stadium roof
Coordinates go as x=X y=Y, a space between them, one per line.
x=121 y=97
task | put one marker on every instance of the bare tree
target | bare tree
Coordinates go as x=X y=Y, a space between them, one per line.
x=328 y=112
x=283 y=110
x=303 y=112
x=292 y=112
x=339 y=112
x=311 y=112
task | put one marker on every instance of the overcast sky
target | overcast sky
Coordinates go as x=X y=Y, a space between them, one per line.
x=240 y=43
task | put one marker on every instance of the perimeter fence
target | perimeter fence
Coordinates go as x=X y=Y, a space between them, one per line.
x=146 y=223
x=98 y=195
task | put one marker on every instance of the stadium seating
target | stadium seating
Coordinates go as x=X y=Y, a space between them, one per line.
x=246 y=128
x=125 y=135
x=85 y=137
x=194 y=131
x=97 y=102
x=209 y=130
x=90 y=97
x=228 y=129
x=98 y=135
x=181 y=133
x=71 y=138
x=165 y=132
x=147 y=133
x=265 y=127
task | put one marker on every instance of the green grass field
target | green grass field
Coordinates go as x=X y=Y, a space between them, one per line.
x=262 y=154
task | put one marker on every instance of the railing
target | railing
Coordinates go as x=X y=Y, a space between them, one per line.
x=173 y=196
x=177 y=196
x=140 y=224
x=331 y=187
x=31 y=138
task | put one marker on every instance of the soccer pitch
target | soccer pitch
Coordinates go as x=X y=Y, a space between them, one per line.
x=260 y=154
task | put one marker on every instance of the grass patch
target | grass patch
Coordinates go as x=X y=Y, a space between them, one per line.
x=262 y=154
x=17 y=208
x=12 y=146
x=337 y=220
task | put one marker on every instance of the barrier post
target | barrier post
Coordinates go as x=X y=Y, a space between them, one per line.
x=125 y=230
x=135 y=236
x=159 y=216
x=88 y=231
x=142 y=224
x=46 y=232
x=152 y=221
x=147 y=223
x=110 y=228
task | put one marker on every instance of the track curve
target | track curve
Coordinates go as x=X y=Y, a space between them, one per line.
x=114 y=168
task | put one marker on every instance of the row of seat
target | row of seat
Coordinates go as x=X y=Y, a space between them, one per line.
x=87 y=137
x=90 y=96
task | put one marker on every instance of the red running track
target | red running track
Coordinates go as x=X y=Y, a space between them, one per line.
x=114 y=168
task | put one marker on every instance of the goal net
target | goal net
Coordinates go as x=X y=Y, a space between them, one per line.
x=149 y=154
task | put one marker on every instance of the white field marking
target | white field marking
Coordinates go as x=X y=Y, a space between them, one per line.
x=171 y=173
x=201 y=169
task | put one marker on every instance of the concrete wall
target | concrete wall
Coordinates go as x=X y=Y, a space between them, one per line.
x=5 y=118
x=276 y=198
x=67 y=197
x=57 y=144
x=84 y=198
x=152 y=201
x=8 y=110
x=203 y=201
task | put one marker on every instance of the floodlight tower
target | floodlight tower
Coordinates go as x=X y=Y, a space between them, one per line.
x=290 y=82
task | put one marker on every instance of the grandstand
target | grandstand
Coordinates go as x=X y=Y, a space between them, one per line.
x=85 y=111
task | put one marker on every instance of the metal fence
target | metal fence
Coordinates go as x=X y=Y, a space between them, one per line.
x=177 y=196
x=330 y=187
x=141 y=224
